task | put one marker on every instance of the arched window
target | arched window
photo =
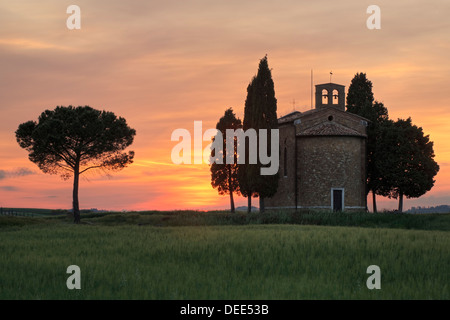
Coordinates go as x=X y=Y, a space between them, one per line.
x=335 y=97
x=285 y=162
x=324 y=96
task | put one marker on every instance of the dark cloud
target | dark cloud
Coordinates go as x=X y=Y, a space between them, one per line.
x=19 y=172
x=9 y=188
x=22 y=172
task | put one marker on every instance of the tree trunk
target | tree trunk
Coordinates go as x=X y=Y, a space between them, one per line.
x=249 y=205
x=230 y=188
x=232 y=202
x=261 y=205
x=400 y=202
x=374 y=200
x=76 y=206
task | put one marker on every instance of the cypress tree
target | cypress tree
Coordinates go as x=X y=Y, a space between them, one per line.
x=359 y=93
x=260 y=113
x=360 y=101
x=246 y=171
x=223 y=175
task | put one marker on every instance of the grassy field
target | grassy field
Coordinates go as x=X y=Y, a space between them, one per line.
x=217 y=255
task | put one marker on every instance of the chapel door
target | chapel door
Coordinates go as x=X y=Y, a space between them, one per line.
x=337 y=199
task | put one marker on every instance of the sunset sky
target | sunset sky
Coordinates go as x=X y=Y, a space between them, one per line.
x=164 y=64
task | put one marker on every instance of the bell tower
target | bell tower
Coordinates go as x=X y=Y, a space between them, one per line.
x=330 y=95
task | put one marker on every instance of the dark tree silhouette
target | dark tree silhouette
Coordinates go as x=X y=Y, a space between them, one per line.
x=359 y=93
x=406 y=163
x=224 y=176
x=260 y=113
x=72 y=140
x=361 y=102
x=246 y=171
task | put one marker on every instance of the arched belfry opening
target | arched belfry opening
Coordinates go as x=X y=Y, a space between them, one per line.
x=335 y=97
x=324 y=96
x=330 y=95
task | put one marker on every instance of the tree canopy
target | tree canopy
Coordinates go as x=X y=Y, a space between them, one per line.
x=224 y=176
x=360 y=100
x=359 y=93
x=260 y=113
x=406 y=161
x=400 y=158
x=72 y=140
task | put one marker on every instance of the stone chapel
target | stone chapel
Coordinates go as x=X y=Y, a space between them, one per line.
x=322 y=156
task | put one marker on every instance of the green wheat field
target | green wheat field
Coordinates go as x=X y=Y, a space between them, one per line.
x=219 y=255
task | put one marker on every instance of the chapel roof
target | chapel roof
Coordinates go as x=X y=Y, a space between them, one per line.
x=330 y=129
x=289 y=117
